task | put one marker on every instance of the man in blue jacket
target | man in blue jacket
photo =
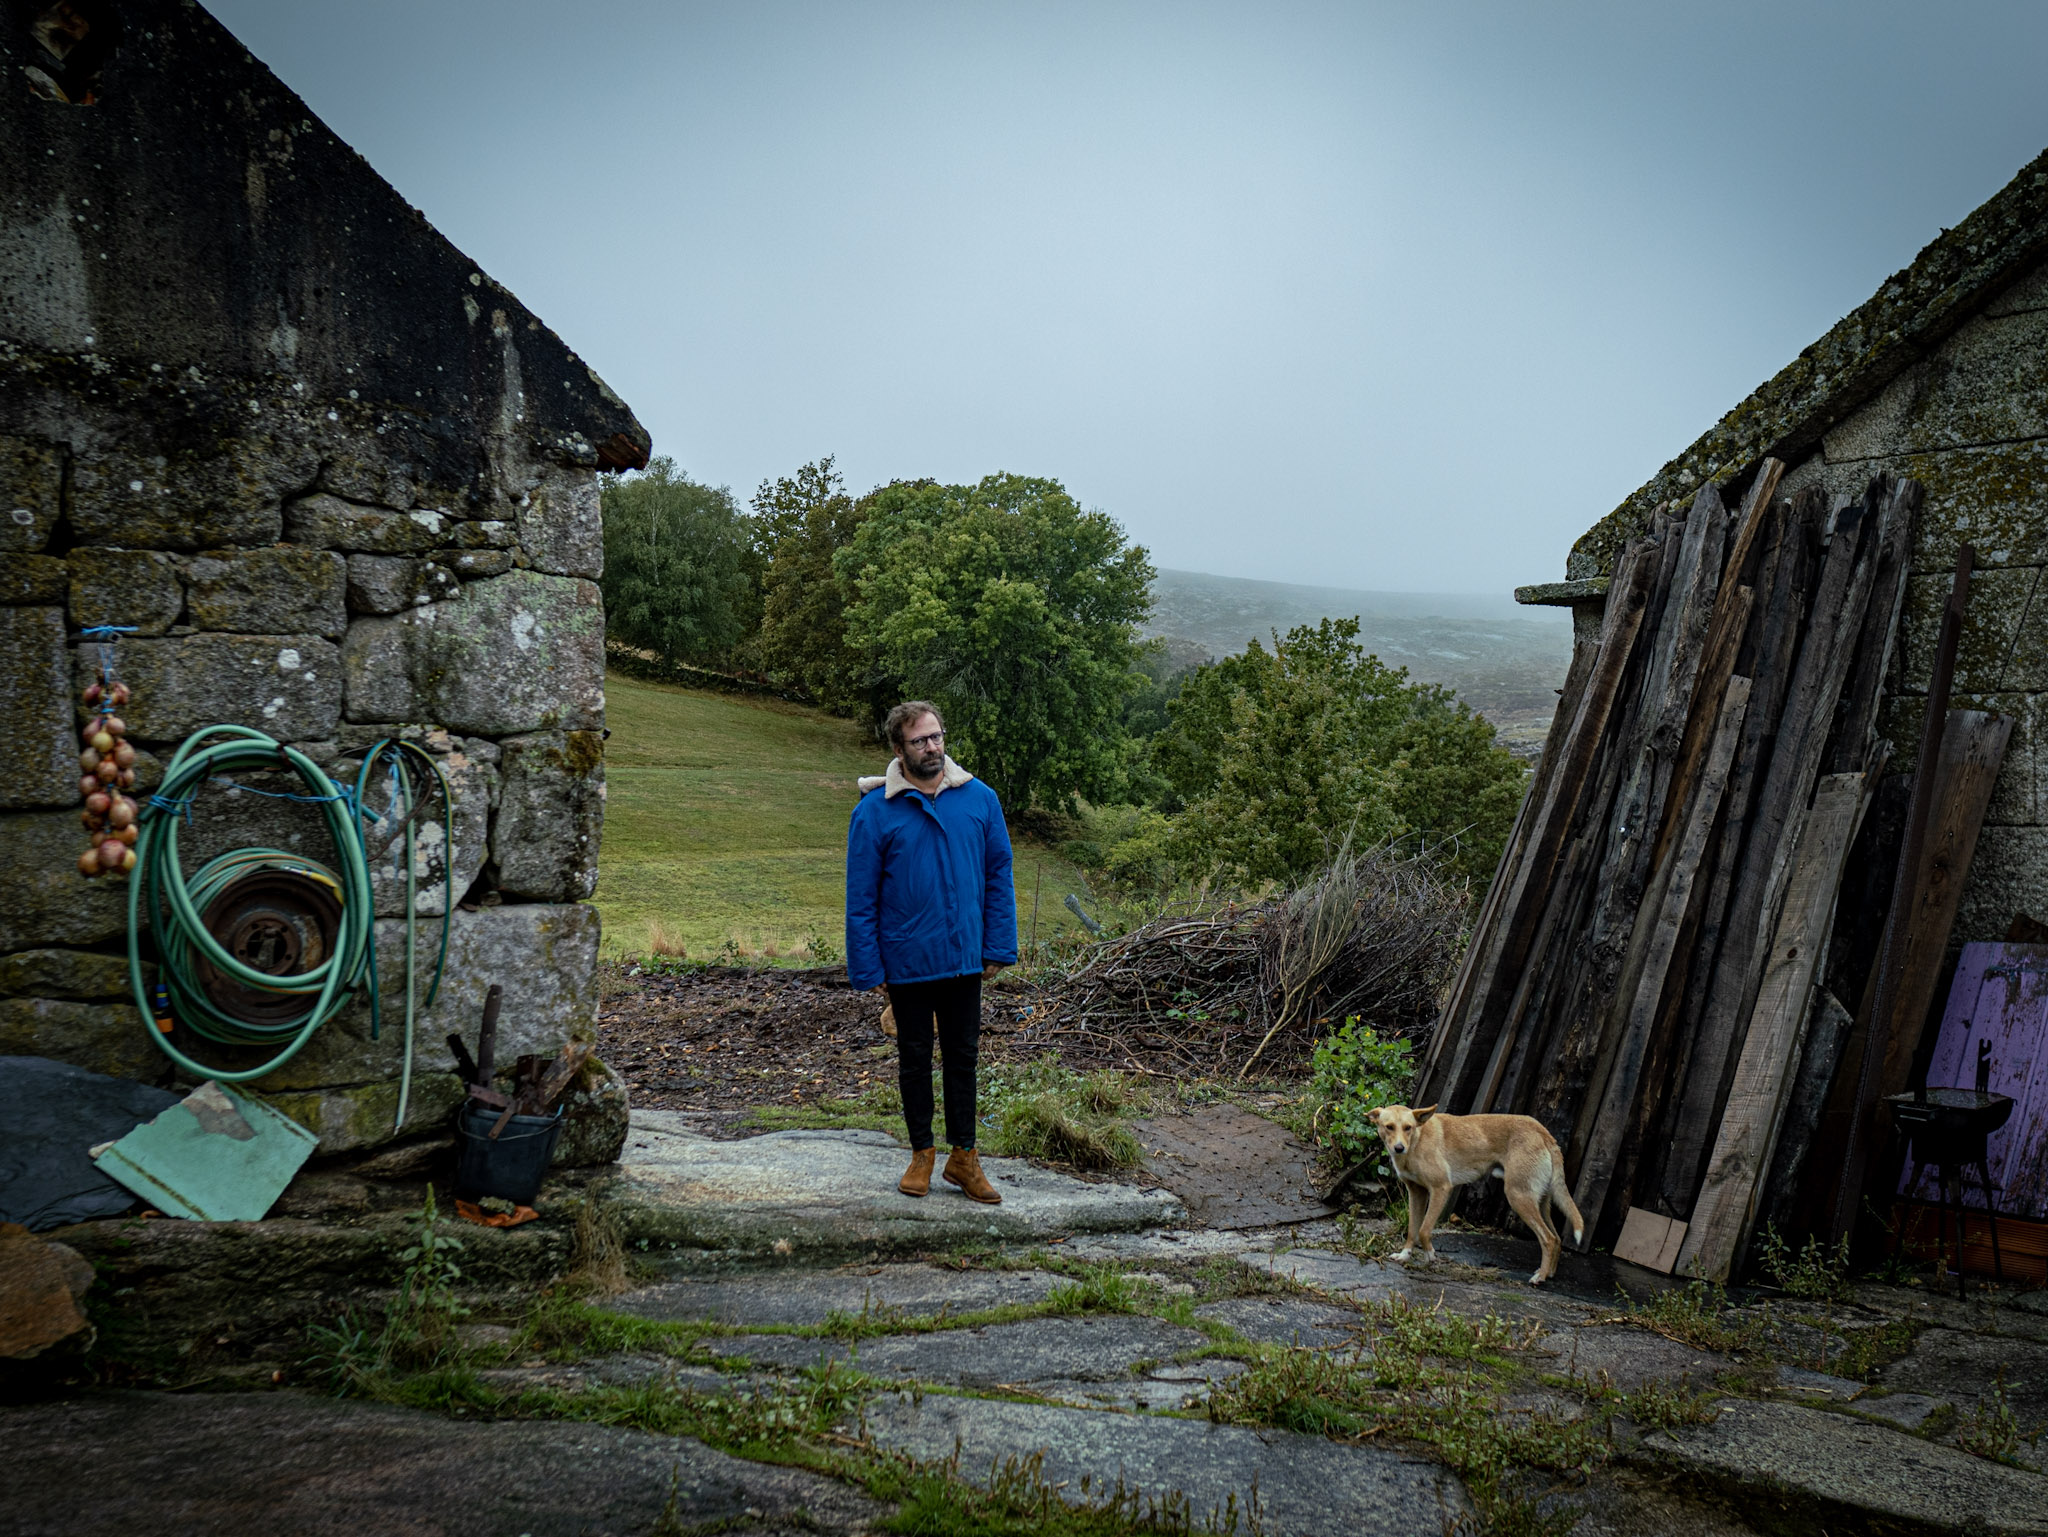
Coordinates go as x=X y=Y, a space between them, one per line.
x=930 y=914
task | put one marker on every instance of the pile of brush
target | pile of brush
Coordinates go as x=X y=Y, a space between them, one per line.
x=1222 y=987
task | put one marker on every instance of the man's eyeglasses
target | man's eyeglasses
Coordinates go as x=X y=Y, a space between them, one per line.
x=931 y=740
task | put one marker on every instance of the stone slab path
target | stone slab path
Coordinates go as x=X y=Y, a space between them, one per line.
x=295 y=1465
x=818 y=1195
x=1090 y=1334
x=1306 y=1486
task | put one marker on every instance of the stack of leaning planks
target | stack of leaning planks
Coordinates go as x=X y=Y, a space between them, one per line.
x=1639 y=977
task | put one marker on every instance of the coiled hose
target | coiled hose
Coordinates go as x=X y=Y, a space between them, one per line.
x=174 y=906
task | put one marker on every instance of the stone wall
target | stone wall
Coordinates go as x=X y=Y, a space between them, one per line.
x=343 y=486
x=1970 y=422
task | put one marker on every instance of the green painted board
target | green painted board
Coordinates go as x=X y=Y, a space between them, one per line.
x=215 y=1156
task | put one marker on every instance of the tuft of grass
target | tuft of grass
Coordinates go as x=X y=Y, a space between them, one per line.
x=1695 y=1315
x=597 y=1262
x=1048 y=1111
x=1019 y=1501
x=1100 y=1289
x=1866 y=1351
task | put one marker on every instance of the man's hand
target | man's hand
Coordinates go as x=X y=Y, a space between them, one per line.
x=990 y=968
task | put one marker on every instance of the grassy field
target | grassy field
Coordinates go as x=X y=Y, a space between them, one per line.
x=725 y=825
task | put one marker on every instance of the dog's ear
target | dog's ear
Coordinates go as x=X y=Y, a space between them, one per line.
x=1424 y=1114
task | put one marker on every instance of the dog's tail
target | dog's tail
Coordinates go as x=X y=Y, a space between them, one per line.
x=1561 y=1195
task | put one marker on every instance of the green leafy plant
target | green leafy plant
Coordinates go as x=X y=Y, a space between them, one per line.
x=417 y=1331
x=1991 y=1430
x=1817 y=1273
x=1353 y=1073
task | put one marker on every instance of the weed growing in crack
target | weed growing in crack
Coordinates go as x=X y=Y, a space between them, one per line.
x=1991 y=1430
x=937 y=1501
x=415 y=1333
x=1693 y=1315
x=1101 y=1289
x=1817 y=1273
x=1866 y=1351
x=1393 y=1384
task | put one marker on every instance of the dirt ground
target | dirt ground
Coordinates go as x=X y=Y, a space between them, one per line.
x=721 y=1041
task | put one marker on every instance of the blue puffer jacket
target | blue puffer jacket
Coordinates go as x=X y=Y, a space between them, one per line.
x=928 y=891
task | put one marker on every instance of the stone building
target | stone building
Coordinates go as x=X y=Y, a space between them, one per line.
x=1942 y=375
x=341 y=484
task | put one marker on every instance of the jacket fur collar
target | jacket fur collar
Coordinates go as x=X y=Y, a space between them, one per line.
x=893 y=784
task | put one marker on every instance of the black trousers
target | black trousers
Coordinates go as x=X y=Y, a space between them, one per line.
x=954 y=1004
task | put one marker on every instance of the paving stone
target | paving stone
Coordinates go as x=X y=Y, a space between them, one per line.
x=290 y=1464
x=624 y=1371
x=1801 y=1383
x=1909 y=1411
x=2032 y=1302
x=1091 y=1348
x=39 y=748
x=282 y=590
x=1796 y=1465
x=515 y=653
x=1630 y=1358
x=287 y=685
x=550 y=816
x=1285 y=1321
x=391 y=584
x=47 y=903
x=1419 y=1285
x=1307 y=1486
x=815 y=1195
x=30 y=580
x=1964 y=1367
x=809 y=1296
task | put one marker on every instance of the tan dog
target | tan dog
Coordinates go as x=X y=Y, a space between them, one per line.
x=1433 y=1153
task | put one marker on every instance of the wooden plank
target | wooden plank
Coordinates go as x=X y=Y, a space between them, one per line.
x=1863 y=693
x=1521 y=913
x=1876 y=1020
x=1627 y=882
x=2000 y=1000
x=1619 y=1095
x=1732 y=605
x=1972 y=749
x=1759 y=885
x=1742 y=1149
x=1485 y=927
x=1650 y=1239
x=1827 y=1036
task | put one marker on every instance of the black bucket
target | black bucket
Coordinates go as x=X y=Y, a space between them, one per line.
x=512 y=1167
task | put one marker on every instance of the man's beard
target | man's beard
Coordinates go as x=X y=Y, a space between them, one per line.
x=926 y=765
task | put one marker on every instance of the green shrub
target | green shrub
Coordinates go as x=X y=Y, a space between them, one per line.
x=1353 y=1073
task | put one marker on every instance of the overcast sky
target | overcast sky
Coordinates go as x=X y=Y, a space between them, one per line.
x=1381 y=296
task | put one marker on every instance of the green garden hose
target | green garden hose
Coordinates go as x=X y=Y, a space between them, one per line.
x=174 y=906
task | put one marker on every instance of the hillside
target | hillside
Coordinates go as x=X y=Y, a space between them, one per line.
x=725 y=820
x=1504 y=660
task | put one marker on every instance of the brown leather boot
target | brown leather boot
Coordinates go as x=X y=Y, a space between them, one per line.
x=917 y=1179
x=963 y=1168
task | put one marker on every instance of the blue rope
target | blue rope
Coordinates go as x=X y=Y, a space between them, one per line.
x=174 y=806
x=343 y=794
x=105 y=631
